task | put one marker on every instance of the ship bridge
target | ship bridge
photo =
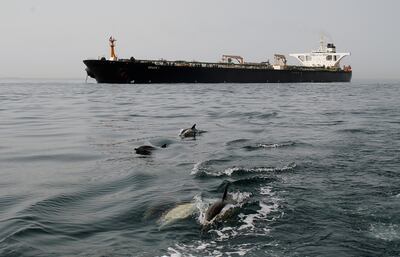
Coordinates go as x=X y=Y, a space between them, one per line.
x=325 y=56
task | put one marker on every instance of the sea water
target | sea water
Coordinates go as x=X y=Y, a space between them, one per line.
x=314 y=169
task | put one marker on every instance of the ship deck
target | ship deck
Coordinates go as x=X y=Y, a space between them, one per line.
x=247 y=65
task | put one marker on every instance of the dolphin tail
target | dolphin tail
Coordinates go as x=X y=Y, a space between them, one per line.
x=194 y=126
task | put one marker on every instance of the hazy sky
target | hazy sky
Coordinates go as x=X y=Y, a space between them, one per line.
x=50 y=38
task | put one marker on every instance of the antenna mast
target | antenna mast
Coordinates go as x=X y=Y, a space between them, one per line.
x=113 y=56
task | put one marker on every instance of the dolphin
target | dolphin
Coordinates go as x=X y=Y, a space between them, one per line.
x=179 y=212
x=147 y=149
x=189 y=132
x=217 y=207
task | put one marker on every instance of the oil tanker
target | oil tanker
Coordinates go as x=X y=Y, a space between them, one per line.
x=322 y=65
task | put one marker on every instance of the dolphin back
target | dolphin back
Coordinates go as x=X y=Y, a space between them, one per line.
x=179 y=212
x=217 y=207
x=214 y=210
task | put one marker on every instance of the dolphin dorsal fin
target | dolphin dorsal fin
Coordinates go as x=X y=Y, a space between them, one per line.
x=164 y=146
x=225 y=192
x=194 y=126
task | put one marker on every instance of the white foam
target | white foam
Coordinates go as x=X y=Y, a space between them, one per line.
x=196 y=168
x=269 y=145
x=267 y=205
x=200 y=167
x=173 y=253
x=290 y=166
x=230 y=171
x=275 y=145
x=207 y=249
x=221 y=235
x=240 y=197
x=211 y=248
x=202 y=207
x=387 y=232
x=248 y=221
x=203 y=246
x=266 y=190
x=241 y=250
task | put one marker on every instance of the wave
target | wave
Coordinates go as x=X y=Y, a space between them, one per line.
x=249 y=115
x=201 y=169
x=27 y=230
x=237 y=141
x=54 y=157
x=255 y=146
x=262 y=116
x=204 y=166
x=271 y=145
x=357 y=131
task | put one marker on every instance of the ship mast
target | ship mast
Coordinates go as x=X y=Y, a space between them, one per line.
x=321 y=44
x=113 y=56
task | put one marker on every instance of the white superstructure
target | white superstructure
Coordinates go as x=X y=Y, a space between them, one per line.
x=325 y=56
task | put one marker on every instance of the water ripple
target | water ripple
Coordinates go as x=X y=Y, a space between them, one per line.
x=313 y=169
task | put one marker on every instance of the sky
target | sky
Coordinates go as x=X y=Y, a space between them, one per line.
x=50 y=38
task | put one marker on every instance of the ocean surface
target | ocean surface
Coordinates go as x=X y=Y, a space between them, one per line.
x=313 y=169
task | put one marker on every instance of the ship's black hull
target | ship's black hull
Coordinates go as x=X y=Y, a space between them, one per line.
x=126 y=71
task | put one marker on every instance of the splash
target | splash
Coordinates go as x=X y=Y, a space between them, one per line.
x=268 y=204
x=253 y=223
x=236 y=200
x=197 y=168
x=220 y=236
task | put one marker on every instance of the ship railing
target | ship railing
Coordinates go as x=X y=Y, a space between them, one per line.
x=212 y=65
x=179 y=63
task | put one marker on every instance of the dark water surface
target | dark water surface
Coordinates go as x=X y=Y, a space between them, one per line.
x=314 y=169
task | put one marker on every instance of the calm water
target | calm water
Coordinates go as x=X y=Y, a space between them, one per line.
x=314 y=169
